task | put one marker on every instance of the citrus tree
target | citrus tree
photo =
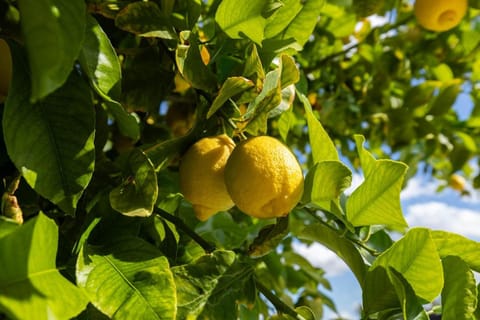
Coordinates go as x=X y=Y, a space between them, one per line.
x=160 y=159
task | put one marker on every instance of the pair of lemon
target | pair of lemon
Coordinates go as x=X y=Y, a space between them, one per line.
x=260 y=175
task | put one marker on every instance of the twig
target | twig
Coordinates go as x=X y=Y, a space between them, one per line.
x=208 y=247
x=345 y=234
x=281 y=306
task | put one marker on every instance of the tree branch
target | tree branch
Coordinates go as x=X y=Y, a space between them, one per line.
x=208 y=247
x=281 y=306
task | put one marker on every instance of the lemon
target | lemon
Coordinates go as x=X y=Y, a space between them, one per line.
x=5 y=69
x=440 y=15
x=457 y=182
x=264 y=178
x=201 y=175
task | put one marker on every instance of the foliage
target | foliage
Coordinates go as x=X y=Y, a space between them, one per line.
x=88 y=157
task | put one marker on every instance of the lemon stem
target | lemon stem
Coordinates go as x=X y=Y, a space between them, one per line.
x=208 y=247
x=281 y=306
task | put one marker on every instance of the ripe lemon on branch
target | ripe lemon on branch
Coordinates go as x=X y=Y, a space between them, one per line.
x=263 y=177
x=440 y=15
x=201 y=175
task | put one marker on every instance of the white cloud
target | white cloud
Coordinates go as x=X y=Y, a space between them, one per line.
x=418 y=187
x=321 y=257
x=441 y=216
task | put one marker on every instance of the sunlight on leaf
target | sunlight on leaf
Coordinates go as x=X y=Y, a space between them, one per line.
x=31 y=287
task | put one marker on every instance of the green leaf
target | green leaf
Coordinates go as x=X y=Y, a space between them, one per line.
x=295 y=19
x=443 y=72
x=377 y=199
x=195 y=282
x=280 y=20
x=412 y=309
x=127 y=279
x=100 y=63
x=236 y=286
x=459 y=294
x=7 y=226
x=445 y=100
x=367 y=160
x=145 y=19
x=339 y=245
x=51 y=142
x=416 y=258
x=253 y=63
x=190 y=64
x=231 y=87
x=53 y=31
x=290 y=74
x=31 y=287
x=322 y=146
x=451 y=244
x=137 y=195
x=269 y=98
x=99 y=60
x=325 y=181
x=378 y=292
x=242 y=19
x=268 y=238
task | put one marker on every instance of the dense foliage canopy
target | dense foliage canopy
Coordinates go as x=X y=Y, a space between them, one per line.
x=107 y=95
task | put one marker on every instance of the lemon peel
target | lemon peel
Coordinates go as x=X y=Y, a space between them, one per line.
x=263 y=177
x=202 y=175
x=440 y=15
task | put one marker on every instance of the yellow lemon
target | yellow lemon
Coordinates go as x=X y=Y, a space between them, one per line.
x=457 y=182
x=5 y=69
x=440 y=15
x=201 y=175
x=264 y=178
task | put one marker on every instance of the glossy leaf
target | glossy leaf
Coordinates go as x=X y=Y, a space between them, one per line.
x=459 y=295
x=339 y=245
x=322 y=146
x=31 y=286
x=325 y=182
x=451 y=244
x=127 y=278
x=195 y=282
x=416 y=258
x=410 y=305
x=145 y=19
x=290 y=74
x=378 y=292
x=190 y=64
x=53 y=32
x=377 y=199
x=51 y=142
x=7 y=226
x=137 y=195
x=100 y=62
x=231 y=87
x=269 y=98
x=268 y=238
x=295 y=19
x=242 y=19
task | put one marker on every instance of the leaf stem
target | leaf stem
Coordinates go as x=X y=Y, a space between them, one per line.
x=281 y=306
x=345 y=234
x=208 y=247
